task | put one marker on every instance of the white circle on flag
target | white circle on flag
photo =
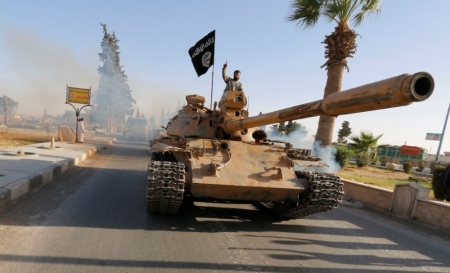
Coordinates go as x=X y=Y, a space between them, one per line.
x=206 y=59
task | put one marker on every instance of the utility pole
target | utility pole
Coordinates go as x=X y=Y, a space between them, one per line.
x=6 y=108
x=43 y=117
x=442 y=135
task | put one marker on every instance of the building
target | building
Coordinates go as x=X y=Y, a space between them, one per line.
x=403 y=152
x=442 y=158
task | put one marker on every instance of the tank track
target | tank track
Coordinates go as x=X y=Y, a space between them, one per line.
x=325 y=193
x=165 y=186
x=302 y=154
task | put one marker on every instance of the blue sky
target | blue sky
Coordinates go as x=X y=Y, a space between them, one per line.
x=46 y=45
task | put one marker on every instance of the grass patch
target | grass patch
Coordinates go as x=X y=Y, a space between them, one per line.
x=10 y=139
x=384 y=178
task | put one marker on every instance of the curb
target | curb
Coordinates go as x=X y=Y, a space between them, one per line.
x=19 y=189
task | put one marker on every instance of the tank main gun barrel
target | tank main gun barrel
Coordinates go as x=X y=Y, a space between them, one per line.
x=393 y=92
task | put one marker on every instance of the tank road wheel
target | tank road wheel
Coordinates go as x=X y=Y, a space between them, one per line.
x=165 y=186
x=325 y=193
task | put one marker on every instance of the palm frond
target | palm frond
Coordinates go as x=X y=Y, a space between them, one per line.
x=369 y=7
x=340 y=10
x=306 y=13
x=365 y=142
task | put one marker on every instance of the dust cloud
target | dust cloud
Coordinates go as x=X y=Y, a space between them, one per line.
x=36 y=71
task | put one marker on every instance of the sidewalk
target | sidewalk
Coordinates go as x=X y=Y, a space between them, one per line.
x=39 y=164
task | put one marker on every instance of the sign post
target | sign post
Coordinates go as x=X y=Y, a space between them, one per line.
x=443 y=131
x=80 y=96
x=439 y=137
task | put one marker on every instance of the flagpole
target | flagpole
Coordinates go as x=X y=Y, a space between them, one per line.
x=442 y=136
x=212 y=84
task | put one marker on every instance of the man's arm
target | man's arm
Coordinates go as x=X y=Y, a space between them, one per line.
x=224 y=73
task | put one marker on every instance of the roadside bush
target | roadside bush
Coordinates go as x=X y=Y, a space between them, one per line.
x=438 y=183
x=343 y=155
x=414 y=179
x=384 y=159
x=407 y=166
x=434 y=165
x=412 y=161
x=362 y=159
x=421 y=164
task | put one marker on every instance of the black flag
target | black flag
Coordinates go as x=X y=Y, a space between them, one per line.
x=202 y=53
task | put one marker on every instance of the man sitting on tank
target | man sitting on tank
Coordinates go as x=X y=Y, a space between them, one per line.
x=233 y=84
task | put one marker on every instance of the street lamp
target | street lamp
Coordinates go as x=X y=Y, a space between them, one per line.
x=442 y=135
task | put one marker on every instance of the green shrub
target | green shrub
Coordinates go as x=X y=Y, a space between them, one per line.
x=412 y=161
x=438 y=183
x=434 y=165
x=384 y=159
x=421 y=164
x=343 y=155
x=362 y=159
x=407 y=166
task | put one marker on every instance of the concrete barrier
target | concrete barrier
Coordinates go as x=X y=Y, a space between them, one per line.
x=66 y=134
x=391 y=166
x=371 y=195
x=433 y=212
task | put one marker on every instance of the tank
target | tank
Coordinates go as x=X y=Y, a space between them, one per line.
x=136 y=129
x=220 y=154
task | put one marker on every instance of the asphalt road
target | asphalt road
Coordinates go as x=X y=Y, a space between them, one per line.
x=92 y=218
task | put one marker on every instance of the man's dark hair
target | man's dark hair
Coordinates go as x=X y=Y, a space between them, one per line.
x=237 y=71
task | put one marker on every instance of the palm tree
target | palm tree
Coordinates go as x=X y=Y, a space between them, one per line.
x=366 y=143
x=340 y=44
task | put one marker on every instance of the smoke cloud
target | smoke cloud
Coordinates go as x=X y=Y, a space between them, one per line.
x=154 y=97
x=36 y=70
x=300 y=140
x=327 y=154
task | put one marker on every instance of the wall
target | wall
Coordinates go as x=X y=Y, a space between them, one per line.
x=427 y=211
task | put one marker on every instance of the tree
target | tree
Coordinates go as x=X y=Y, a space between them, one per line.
x=68 y=116
x=365 y=144
x=286 y=129
x=113 y=97
x=338 y=46
x=344 y=132
x=293 y=126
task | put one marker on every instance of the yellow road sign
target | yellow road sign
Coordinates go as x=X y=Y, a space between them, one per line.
x=78 y=95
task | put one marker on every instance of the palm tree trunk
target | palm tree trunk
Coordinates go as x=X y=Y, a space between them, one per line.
x=324 y=135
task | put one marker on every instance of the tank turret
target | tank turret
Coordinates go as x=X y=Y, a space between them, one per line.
x=218 y=153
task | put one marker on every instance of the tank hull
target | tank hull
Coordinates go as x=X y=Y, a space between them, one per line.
x=249 y=173
x=239 y=171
